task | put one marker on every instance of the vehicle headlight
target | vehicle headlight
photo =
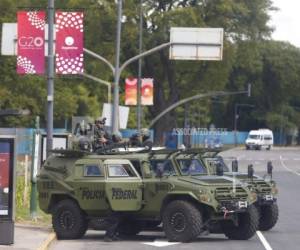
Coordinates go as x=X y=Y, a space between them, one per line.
x=204 y=196
x=6 y=190
x=274 y=190
x=253 y=196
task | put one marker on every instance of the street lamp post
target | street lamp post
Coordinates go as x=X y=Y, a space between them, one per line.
x=236 y=116
x=139 y=85
x=115 y=112
x=50 y=76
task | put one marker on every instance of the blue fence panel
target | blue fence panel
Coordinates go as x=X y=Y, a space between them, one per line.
x=205 y=139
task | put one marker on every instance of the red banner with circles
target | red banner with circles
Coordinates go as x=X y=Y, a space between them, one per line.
x=69 y=42
x=147 y=91
x=131 y=91
x=31 y=42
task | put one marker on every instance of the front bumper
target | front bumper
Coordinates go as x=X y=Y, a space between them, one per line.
x=233 y=206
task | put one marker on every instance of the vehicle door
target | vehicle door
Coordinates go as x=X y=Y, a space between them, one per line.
x=89 y=185
x=123 y=185
x=159 y=184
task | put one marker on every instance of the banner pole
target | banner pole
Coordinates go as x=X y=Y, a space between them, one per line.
x=50 y=77
x=139 y=83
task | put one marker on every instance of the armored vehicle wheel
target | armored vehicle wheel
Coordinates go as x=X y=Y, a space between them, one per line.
x=268 y=216
x=68 y=220
x=246 y=227
x=181 y=221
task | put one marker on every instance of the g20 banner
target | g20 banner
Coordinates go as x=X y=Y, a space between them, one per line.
x=31 y=42
x=147 y=91
x=69 y=42
x=131 y=91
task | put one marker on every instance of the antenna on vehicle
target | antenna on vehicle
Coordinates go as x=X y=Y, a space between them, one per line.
x=235 y=166
x=250 y=171
x=220 y=170
x=270 y=169
x=235 y=169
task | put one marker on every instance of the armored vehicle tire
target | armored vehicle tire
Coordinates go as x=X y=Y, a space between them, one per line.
x=268 y=216
x=68 y=220
x=247 y=225
x=181 y=221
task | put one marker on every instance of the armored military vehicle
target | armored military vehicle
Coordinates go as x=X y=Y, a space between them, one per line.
x=77 y=187
x=264 y=187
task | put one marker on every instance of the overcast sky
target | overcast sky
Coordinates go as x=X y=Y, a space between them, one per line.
x=287 y=21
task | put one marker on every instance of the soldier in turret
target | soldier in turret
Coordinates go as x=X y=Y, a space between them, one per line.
x=101 y=137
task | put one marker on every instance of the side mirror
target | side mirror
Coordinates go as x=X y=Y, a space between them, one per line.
x=235 y=166
x=270 y=168
x=250 y=171
x=219 y=169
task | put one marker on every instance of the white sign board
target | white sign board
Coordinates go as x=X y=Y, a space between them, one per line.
x=196 y=43
x=123 y=115
x=9 y=39
x=58 y=143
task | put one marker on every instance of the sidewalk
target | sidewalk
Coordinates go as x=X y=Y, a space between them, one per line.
x=28 y=237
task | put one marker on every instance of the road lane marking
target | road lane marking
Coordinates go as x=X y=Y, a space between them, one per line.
x=287 y=168
x=160 y=243
x=263 y=240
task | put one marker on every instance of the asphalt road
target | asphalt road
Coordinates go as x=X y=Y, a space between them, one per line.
x=285 y=235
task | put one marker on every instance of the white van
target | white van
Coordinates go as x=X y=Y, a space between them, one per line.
x=258 y=139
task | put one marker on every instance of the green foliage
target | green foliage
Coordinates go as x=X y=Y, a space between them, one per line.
x=22 y=206
x=249 y=57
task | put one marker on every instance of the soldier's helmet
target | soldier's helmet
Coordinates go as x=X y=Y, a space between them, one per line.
x=145 y=132
x=117 y=137
x=101 y=121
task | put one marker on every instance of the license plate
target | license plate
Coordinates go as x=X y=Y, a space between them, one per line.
x=242 y=204
x=268 y=197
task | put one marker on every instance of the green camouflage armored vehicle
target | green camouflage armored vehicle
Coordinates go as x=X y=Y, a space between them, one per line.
x=78 y=187
x=265 y=189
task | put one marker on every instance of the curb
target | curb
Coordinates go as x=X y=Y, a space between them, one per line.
x=44 y=246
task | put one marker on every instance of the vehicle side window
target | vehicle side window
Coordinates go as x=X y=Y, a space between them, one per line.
x=165 y=166
x=191 y=167
x=215 y=161
x=120 y=170
x=92 y=170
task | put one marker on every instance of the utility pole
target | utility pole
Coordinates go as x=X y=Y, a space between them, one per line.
x=115 y=111
x=50 y=76
x=139 y=85
x=235 y=123
x=34 y=169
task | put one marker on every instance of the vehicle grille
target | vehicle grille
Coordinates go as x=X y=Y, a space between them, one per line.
x=262 y=187
x=226 y=193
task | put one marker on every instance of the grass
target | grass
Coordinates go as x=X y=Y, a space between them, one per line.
x=23 y=209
